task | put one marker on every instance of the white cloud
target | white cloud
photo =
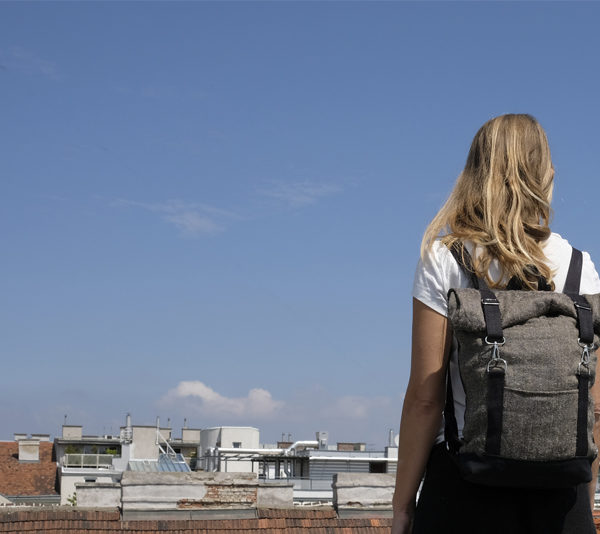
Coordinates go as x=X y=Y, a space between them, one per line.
x=19 y=59
x=299 y=194
x=304 y=411
x=191 y=219
x=257 y=404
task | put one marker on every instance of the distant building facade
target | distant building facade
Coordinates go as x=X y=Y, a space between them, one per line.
x=76 y=459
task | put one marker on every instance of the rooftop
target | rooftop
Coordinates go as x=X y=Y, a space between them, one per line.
x=316 y=521
x=26 y=478
x=66 y=520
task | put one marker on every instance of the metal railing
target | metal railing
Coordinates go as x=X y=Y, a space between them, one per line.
x=91 y=461
x=304 y=484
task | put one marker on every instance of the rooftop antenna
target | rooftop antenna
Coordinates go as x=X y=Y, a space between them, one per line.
x=184 y=422
x=169 y=422
x=289 y=437
x=65 y=421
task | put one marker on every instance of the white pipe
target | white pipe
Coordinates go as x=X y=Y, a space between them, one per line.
x=297 y=444
x=353 y=459
x=250 y=451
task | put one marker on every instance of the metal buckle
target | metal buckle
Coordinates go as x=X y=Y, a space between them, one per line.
x=495 y=361
x=585 y=356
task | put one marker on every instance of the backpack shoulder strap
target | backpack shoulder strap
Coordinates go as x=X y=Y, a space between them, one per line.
x=585 y=323
x=572 y=287
x=573 y=280
x=463 y=258
x=493 y=321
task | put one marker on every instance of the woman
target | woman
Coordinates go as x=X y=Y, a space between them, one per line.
x=500 y=210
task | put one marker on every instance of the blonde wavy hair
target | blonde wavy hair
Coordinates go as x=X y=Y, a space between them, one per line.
x=501 y=201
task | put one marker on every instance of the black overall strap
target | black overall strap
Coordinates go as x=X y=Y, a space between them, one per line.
x=585 y=323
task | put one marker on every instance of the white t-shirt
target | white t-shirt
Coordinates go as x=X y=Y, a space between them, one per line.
x=438 y=272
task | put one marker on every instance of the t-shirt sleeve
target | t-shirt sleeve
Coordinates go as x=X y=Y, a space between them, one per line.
x=431 y=281
x=590 y=282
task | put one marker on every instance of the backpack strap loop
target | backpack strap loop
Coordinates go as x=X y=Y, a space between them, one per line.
x=491 y=314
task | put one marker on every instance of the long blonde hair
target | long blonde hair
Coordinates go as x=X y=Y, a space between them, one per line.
x=501 y=200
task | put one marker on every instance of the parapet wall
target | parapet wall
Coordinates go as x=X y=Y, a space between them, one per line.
x=172 y=495
x=68 y=520
x=62 y=520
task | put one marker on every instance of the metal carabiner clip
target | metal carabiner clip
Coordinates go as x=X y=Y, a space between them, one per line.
x=585 y=356
x=495 y=360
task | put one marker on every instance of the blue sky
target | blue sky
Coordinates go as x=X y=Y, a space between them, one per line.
x=213 y=210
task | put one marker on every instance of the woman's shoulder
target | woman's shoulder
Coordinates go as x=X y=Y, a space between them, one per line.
x=440 y=260
x=558 y=251
x=436 y=272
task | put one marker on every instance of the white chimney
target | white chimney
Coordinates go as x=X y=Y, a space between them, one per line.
x=29 y=450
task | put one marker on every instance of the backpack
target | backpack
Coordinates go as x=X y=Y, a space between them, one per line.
x=527 y=364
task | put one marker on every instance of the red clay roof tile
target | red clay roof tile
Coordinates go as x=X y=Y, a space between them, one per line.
x=72 y=521
x=36 y=478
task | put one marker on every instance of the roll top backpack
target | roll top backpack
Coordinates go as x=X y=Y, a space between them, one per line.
x=527 y=363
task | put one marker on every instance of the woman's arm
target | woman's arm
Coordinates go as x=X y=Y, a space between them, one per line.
x=422 y=410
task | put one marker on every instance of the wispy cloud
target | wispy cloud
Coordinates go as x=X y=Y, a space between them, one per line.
x=191 y=219
x=298 y=194
x=17 y=58
x=348 y=417
x=258 y=403
x=356 y=407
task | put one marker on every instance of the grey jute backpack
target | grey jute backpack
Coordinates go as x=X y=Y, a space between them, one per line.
x=527 y=363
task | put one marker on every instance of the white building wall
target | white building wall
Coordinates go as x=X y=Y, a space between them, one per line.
x=68 y=481
x=229 y=437
x=143 y=445
x=247 y=437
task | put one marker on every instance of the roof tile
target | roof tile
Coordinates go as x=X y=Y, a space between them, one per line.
x=32 y=478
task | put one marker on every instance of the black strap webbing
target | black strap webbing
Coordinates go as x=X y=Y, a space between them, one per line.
x=489 y=302
x=491 y=314
x=581 y=448
x=574 y=273
x=463 y=258
x=495 y=404
x=450 y=424
x=585 y=317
